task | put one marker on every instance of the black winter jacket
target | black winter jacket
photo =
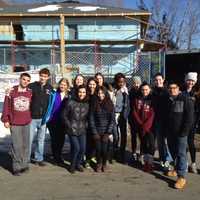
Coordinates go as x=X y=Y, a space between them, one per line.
x=126 y=109
x=75 y=117
x=180 y=115
x=133 y=94
x=101 y=121
x=40 y=99
x=160 y=96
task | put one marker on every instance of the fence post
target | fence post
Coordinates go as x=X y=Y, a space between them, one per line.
x=4 y=60
x=62 y=43
x=164 y=62
x=159 y=61
x=149 y=67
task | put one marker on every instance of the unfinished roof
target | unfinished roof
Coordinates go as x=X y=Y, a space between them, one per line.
x=67 y=9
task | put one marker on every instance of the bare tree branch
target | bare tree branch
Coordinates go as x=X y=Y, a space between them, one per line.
x=173 y=22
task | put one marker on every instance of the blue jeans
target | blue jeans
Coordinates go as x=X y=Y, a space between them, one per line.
x=37 y=130
x=178 y=150
x=164 y=154
x=78 y=146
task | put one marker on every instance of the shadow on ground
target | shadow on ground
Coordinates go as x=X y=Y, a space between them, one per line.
x=6 y=161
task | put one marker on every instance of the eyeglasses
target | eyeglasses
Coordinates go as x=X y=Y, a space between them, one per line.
x=172 y=88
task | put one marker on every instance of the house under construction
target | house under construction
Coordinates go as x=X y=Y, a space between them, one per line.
x=77 y=37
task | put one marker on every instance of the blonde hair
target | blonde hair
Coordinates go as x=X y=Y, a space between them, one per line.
x=64 y=80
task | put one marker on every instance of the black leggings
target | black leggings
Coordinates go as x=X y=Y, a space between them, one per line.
x=90 y=149
x=191 y=146
x=147 y=144
x=134 y=136
x=122 y=134
x=101 y=145
x=57 y=140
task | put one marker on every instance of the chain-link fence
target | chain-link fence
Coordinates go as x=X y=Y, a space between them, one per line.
x=85 y=62
x=145 y=65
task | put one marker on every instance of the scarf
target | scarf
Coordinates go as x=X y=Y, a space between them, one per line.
x=56 y=108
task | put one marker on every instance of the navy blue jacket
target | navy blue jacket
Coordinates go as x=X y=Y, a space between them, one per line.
x=101 y=121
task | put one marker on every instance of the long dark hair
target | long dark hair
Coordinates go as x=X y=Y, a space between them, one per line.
x=74 y=82
x=89 y=80
x=77 y=91
x=99 y=74
x=106 y=104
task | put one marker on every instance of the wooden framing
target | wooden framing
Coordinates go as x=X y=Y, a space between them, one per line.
x=62 y=44
x=75 y=14
x=149 y=45
x=57 y=42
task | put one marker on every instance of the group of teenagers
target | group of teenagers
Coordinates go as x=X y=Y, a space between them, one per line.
x=97 y=115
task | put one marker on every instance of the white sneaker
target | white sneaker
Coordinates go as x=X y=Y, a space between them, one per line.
x=193 y=168
x=162 y=164
x=187 y=168
x=168 y=166
x=134 y=156
x=141 y=159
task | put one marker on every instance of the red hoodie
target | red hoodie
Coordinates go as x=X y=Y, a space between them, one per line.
x=143 y=114
x=16 y=108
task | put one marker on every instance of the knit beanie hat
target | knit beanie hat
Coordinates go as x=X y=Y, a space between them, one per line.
x=191 y=76
x=137 y=79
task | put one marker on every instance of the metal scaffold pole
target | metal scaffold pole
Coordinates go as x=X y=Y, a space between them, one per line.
x=62 y=44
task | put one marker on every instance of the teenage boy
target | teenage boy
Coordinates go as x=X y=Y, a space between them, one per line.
x=180 y=114
x=17 y=116
x=40 y=98
x=160 y=95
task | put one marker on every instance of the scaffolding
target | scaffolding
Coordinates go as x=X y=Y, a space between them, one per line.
x=62 y=54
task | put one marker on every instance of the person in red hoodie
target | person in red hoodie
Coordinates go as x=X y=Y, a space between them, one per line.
x=17 y=116
x=143 y=116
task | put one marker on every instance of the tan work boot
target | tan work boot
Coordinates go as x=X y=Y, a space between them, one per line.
x=171 y=173
x=180 y=183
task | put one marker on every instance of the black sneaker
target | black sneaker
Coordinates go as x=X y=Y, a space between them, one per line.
x=25 y=170
x=72 y=170
x=34 y=161
x=16 y=173
x=111 y=161
x=41 y=163
x=59 y=162
x=80 y=168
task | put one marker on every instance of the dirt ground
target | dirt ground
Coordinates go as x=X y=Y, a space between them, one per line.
x=122 y=182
